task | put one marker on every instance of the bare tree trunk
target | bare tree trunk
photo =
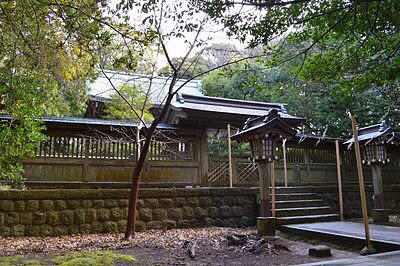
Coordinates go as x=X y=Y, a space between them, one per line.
x=133 y=197
x=137 y=171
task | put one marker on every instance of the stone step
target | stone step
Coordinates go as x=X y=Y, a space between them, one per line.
x=299 y=203
x=300 y=189
x=297 y=196
x=307 y=219
x=290 y=212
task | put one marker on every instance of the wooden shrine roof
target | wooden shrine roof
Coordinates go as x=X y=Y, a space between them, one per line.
x=215 y=112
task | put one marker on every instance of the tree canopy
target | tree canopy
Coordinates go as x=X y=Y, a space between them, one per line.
x=48 y=52
x=351 y=45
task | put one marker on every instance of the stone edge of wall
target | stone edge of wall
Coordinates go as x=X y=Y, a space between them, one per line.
x=122 y=193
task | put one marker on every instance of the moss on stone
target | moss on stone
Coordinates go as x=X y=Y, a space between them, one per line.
x=6 y=205
x=79 y=216
x=18 y=230
x=98 y=204
x=2 y=218
x=159 y=214
x=47 y=205
x=53 y=218
x=97 y=228
x=12 y=218
x=111 y=203
x=32 y=205
x=111 y=227
x=85 y=229
x=67 y=217
x=91 y=215
x=103 y=215
x=60 y=205
x=19 y=206
x=116 y=214
x=39 y=218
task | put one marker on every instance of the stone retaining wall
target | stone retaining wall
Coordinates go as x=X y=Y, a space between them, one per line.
x=352 y=202
x=62 y=212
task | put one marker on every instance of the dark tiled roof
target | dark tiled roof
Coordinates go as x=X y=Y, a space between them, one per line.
x=91 y=122
x=228 y=106
x=376 y=133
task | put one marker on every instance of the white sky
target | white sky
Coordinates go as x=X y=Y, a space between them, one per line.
x=177 y=47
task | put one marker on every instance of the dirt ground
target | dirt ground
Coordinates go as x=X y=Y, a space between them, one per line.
x=203 y=246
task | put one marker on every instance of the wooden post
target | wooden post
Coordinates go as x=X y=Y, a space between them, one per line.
x=339 y=176
x=203 y=159
x=273 y=187
x=284 y=162
x=307 y=162
x=230 y=157
x=378 y=187
x=86 y=166
x=361 y=181
x=264 y=174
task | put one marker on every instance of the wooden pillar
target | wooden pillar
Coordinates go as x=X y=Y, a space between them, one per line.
x=264 y=171
x=230 y=156
x=339 y=176
x=86 y=166
x=361 y=181
x=203 y=160
x=284 y=162
x=307 y=162
x=273 y=187
x=378 y=188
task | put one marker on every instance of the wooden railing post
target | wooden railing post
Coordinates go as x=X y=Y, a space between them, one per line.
x=234 y=170
x=284 y=162
x=307 y=162
x=86 y=166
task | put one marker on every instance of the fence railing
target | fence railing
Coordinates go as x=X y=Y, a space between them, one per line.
x=303 y=166
x=88 y=159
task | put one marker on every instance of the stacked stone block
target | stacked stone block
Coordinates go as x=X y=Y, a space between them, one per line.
x=43 y=213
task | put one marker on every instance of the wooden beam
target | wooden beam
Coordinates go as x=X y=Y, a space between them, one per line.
x=361 y=181
x=230 y=156
x=339 y=176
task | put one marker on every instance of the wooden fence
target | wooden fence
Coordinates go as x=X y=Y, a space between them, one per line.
x=85 y=159
x=75 y=158
x=304 y=166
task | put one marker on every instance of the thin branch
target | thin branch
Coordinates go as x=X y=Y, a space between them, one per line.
x=123 y=97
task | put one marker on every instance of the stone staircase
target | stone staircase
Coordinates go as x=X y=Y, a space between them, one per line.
x=294 y=205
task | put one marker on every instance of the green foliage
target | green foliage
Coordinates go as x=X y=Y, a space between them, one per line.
x=103 y=258
x=346 y=49
x=118 y=109
x=323 y=106
x=218 y=147
x=130 y=56
x=48 y=52
x=106 y=258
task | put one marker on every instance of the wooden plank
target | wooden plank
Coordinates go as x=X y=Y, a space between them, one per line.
x=339 y=176
x=361 y=181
